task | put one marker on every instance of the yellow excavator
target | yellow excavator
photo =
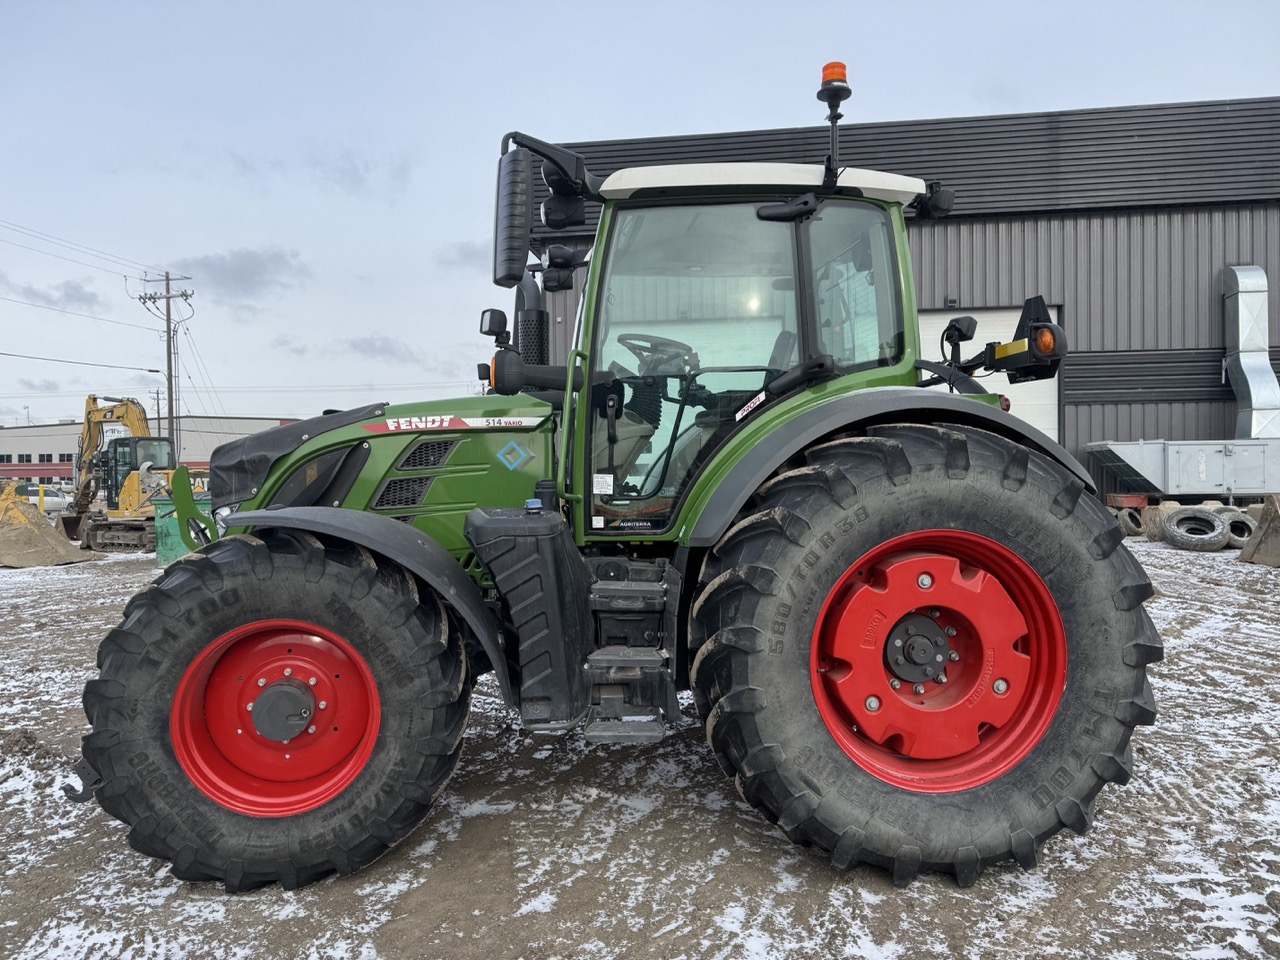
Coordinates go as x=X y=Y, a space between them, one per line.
x=118 y=457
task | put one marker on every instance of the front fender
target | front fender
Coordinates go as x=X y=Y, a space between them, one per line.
x=406 y=546
x=730 y=479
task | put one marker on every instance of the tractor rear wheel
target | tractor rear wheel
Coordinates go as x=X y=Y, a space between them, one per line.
x=276 y=709
x=924 y=649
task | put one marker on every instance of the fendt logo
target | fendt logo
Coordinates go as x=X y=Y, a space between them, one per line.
x=444 y=421
x=447 y=421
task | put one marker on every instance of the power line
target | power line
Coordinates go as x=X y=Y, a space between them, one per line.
x=72 y=245
x=73 y=313
x=58 y=256
x=79 y=363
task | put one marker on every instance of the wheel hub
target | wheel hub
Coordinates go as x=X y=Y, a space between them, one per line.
x=938 y=660
x=284 y=710
x=916 y=649
x=275 y=717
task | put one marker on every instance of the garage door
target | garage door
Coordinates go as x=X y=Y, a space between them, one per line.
x=1035 y=402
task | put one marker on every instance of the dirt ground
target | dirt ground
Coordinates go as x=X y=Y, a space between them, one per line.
x=549 y=847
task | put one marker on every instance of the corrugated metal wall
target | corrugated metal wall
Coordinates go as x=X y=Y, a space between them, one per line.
x=1128 y=280
x=1141 y=299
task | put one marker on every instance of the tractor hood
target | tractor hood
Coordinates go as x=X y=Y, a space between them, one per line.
x=239 y=469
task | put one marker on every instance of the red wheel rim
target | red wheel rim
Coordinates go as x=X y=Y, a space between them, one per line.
x=227 y=756
x=952 y=602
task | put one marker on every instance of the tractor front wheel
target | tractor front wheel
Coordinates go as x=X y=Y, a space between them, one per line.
x=276 y=709
x=924 y=649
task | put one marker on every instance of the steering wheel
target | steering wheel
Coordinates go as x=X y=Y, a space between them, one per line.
x=658 y=355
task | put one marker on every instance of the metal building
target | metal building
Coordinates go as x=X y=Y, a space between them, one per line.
x=1125 y=219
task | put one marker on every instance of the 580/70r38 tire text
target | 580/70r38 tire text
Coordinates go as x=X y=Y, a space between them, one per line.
x=924 y=649
x=276 y=709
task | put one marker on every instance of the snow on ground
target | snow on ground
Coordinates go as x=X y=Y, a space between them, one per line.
x=549 y=847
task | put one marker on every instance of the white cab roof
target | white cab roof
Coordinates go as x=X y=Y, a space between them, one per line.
x=680 y=176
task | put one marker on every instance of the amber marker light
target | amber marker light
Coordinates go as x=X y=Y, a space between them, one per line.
x=1045 y=341
x=493 y=373
x=834 y=72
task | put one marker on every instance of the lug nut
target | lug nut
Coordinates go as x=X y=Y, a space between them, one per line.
x=1001 y=687
x=248 y=706
x=311 y=729
x=918 y=688
x=873 y=704
x=935 y=614
x=950 y=631
x=925 y=581
x=897 y=641
x=288 y=671
x=312 y=681
x=953 y=657
x=940 y=678
x=262 y=682
x=895 y=683
x=323 y=704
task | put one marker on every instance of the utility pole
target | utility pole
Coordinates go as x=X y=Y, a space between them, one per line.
x=171 y=345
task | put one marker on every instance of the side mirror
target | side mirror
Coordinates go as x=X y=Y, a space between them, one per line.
x=960 y=330
x=493 y=323
x=513 y=217
x=936 y=201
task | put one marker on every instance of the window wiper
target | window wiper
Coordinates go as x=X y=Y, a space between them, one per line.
x=806 y=371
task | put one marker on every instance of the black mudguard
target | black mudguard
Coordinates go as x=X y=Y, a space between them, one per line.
x=411 y=549
x=876 y=405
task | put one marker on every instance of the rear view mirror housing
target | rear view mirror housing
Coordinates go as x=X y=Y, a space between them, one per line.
x=513 y=217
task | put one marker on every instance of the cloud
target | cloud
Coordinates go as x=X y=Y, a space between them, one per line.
x=290 y=345
x=67 y=295
x=472 y=255
x=39 y=386
x=240 y=276
x=358 y=176
x=336 y=168
x=388 y=349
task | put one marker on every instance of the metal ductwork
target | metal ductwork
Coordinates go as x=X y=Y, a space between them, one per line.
x=1249 y=465
x=1247 y=363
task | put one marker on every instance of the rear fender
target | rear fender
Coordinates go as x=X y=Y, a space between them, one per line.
x=863 y=408
x=406 y=546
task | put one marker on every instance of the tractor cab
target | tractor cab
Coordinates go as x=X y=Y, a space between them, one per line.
x=716 y=295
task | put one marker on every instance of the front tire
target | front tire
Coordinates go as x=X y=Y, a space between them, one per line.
x=924 y=649
x=361 y=700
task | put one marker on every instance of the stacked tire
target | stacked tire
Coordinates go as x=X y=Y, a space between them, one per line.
x=1205 y=529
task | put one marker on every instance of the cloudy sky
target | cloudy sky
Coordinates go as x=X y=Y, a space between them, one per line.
x=323 y=172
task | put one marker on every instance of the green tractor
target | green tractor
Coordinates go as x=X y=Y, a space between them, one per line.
x=915 y=637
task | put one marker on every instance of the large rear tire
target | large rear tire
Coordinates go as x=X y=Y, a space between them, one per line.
x=924 y=649
x=276 y=709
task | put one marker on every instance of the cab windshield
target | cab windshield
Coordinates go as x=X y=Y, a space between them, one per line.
x=700 y=308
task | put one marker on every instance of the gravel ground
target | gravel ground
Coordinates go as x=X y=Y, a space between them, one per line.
x=549 y=847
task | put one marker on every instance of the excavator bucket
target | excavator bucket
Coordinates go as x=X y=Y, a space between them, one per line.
x=68 y=525
x=27 y=539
